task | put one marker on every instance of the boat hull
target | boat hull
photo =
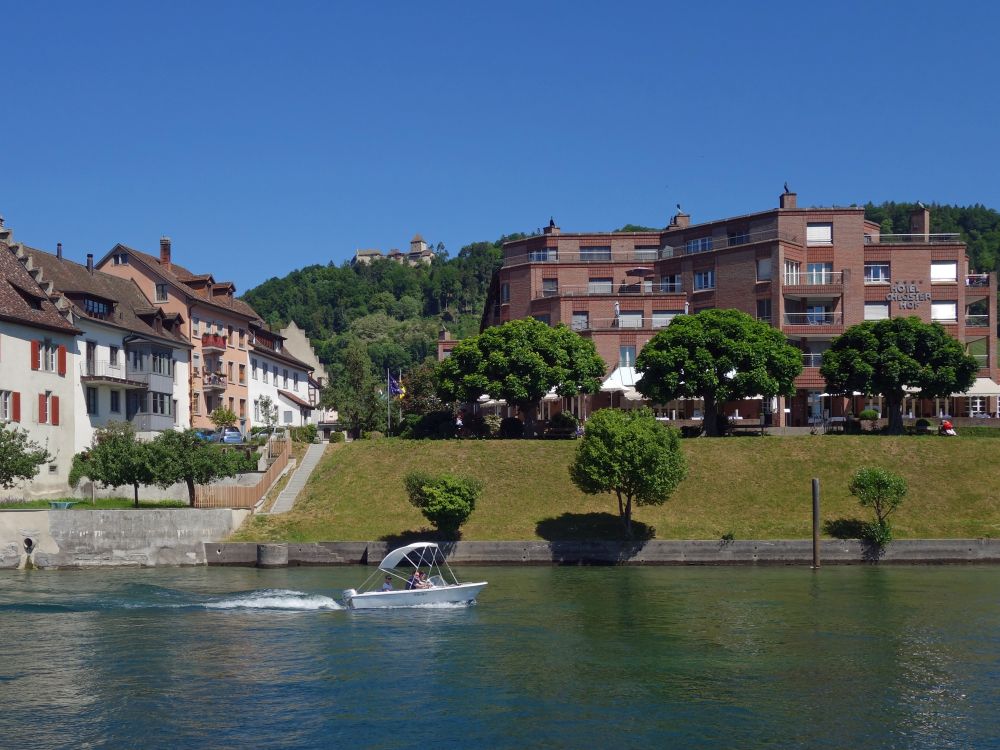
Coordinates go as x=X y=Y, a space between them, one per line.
x=463 y=593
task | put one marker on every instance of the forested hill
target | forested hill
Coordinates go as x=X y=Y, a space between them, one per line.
x=397 y=310
x=979 y=227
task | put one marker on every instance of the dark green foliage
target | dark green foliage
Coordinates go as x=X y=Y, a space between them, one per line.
x=436 y=425
x=511 y=428
x=372 y=435
x=869 y=415
x=630 y=454
x=888 y=356
x=304 y=434
x=355 y=393
x=882 y=491
x=185 y=457
x=718 y=356
x=638 y=228
x=338 y=437
x=19 y=456
x=978 y=226
x=223 y=417
x=116 y=459
x=446 y=500
x=564 y=420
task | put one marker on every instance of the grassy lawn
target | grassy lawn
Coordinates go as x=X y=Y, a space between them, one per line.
x=101 y=503
x=750 y=487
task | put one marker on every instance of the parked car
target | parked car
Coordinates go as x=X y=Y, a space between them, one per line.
x=204 y=434
x=227 y=435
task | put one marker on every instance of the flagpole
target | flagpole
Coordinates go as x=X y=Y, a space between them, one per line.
x=388 y=403
x=399 y=371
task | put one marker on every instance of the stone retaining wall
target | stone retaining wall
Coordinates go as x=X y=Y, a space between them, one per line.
x=666 y=552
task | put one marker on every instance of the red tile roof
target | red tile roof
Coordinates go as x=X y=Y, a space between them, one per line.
x=295 y=399
x=22 y=300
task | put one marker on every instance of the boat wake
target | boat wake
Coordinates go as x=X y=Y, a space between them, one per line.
x=281 y=599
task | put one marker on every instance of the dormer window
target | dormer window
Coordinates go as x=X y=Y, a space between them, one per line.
x=96 y=308
x=277 y=345
x=120 y=259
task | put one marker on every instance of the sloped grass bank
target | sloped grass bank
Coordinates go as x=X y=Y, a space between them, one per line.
x=746 y=487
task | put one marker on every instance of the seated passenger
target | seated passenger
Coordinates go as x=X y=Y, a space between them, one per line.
x=387 y=586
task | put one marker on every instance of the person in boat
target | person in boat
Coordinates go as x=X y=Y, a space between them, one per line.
x=413 y=582
x=387 y=586
x=424 y=583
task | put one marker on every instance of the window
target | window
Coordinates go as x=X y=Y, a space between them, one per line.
x=230 y=341
x=699 y=245
x=274 y=371
x=195 y=323
x=113 y=355
x=137 y=360
x=230 y=367
x=647 y=252
x=116 y=402
x=819 y=273
x=96 y=308
x=738 y=237
x=120 y=259
x=543 y=318
x=630 y=319
x=819 y=233
x=944 y=271
x=540 y=255
x=599 y=286
x=253 y=369
x=288 y=417
x=256 y=410
x=232 y=404
x=243 y=374
x=295 y=381
x=662 y=318
x=819 y=315
x=763 y=269
x=264 y=371
x=602 y=252
x=793 y=272
x=161 y=292
x=243 y=339
x=504 y=293
x=704 y=280
x=976 y=406
x=160 y=403
x=161 y=363
x=550 y=287
x=670 y=284
x=876 y=273
x=764 y=309
x=626 y=356
x=196 y=402
x=581 y=321
x=284 y=377
x=6 y=410
x=945 y=312
x=91 y=401
x=876 y=310
x=243 y=408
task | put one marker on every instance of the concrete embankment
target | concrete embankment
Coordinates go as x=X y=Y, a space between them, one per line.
x=103 y=538
x=665 y=552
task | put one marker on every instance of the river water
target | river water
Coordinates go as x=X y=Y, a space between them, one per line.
x=873 y=657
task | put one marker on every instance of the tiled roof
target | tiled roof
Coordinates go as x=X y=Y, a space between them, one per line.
x=16 y=283
x=282 y=357
x=179 y=275
x=133 y=311
x=294 y=398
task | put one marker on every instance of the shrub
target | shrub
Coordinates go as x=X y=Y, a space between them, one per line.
x=882 y=491
x=511 y=428
x=372 y=435
x=446 y=500
x=690 y=430
x=492 y=422
x=475 y=425
x=304 y=434
x=870 y=415
x=437 y=425
x=923 y=424
x=337 y=437
x=564 y=420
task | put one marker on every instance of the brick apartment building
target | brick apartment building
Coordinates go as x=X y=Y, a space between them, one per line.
x=812 y=272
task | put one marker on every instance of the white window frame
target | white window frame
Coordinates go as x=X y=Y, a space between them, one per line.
x=5 y=406
x=944 y=311
x=880 y=277
x=944 y=271
x=876 y=311
x=819 y=233
x=630 y=319
x=704 y=280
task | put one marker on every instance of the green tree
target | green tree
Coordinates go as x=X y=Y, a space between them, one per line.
x=223 y=417
x=637 y=228
x=520 y=362
x=19 y=456
x=882 y=491
x=888 y=357
x=116 y=458
x=355 y=394
x=446 y=501
x=268 y=411
x=717 y=356
x=630 y=454
x=185 y=457
x=420 y=395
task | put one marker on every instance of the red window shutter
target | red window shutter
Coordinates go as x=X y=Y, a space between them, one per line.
x=16 y=406
x=43 y=415
x=36 y=356
x=62 y=360
x=55 y=410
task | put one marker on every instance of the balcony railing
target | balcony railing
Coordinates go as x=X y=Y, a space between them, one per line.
x=913 y=239
x=645 y=255
x=815 y=278
x=214 y=382
x=630 y=290
x=977 y=280
x=811 y=360
x=982 y=359
x=623 y=323
x=977 y=321
x=149 y=422
x=213 y=341
x=814 y=319
x=111 y=370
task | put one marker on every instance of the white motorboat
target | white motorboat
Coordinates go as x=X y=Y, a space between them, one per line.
x=440 y=586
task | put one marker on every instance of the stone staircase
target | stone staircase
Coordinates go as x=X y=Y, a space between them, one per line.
x=302 y=473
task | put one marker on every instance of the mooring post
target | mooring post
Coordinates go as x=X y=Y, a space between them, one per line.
x=815 y=522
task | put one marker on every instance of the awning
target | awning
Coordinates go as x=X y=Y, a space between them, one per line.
x=982 y=387
x=419 y=552
x=622 y=379
x=552 y=396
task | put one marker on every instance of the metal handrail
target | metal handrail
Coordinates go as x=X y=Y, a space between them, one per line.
x=102 y=369
x=977 y=279
x=810 y=359
x=630 y=290
x=913 y=239
x=814 y=278
x=977 y=321
x=214 y=381
x=814 y=319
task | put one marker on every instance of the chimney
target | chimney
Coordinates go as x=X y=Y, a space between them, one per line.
x=551 y=228
x=90 y=262
x=59 y=250
x=788 y=200
x=920 y=222
x=680 y=219
x=165 y=251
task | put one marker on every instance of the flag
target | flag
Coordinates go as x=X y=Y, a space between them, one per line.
x=395 y=389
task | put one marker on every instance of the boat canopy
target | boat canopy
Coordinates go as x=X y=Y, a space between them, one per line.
x=398 y=555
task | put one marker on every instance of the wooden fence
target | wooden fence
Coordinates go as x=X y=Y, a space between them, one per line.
x=234 y=496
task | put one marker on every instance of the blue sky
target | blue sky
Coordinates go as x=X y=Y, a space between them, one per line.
x=264 y=137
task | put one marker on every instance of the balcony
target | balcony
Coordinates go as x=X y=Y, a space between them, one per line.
x=978 y=280
x=109 y=373
x=149 y=422
x=983 y=360
x=950 y=238
x=629 y=290
x=815 y=278
x=213 y=342
x=811 y=360
x=977 y=321
x=814 y=319
x=211 y=382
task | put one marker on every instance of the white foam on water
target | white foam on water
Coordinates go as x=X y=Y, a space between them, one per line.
x=282 y=599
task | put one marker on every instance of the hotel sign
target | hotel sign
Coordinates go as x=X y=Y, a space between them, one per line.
x=907 y=295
